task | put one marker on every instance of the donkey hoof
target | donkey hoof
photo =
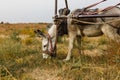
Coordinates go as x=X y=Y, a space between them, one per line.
x=66 y=60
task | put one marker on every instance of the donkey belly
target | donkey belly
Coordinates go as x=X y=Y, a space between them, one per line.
x=92 y=31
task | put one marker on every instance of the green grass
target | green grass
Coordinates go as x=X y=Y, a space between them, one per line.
x=15 y=55
x=20 y=57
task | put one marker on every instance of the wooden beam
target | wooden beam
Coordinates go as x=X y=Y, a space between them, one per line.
x=56 y=5
x=89 y=16
x=66 y=3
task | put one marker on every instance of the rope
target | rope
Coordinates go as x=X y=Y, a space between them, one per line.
x=86 y=22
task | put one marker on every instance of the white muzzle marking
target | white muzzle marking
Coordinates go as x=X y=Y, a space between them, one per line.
x=45 y=56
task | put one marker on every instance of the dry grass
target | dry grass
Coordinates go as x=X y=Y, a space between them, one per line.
x=21 y=59
x=22 y=28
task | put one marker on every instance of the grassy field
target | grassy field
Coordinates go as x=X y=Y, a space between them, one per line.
x=21 y=57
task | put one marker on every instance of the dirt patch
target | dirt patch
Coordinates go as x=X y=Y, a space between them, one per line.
x=21 y=36
x=93 y=53
x=45 y=74
x=3 y=36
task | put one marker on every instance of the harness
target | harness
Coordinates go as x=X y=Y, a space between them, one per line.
x=52 y=49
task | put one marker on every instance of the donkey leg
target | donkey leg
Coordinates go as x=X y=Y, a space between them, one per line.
x=79 y=44
x=71 y=41
x=111 y=33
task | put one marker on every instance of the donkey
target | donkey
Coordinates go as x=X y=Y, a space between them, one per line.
x=111 y=30
x=79 y=30
x=48 y=41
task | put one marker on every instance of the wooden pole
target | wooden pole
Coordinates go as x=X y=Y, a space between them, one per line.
x=97 y=16
x=94 y=4
x=66 y=3
x=56 y=23
x=90 y=16
x=108 y=8
x=56 y=7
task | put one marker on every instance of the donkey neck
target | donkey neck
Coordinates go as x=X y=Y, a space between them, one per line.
x=52 y=30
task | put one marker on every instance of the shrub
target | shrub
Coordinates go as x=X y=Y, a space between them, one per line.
x=15 y=36
x=9 y=50
x=102 y=41
x=28 y=31
x=28 y=41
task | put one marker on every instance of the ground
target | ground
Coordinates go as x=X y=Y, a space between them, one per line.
x=21 y=58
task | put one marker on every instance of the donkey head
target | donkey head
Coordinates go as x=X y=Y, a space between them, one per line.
x=48 y=44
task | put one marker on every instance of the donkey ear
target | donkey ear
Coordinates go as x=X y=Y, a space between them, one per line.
x=40 y=33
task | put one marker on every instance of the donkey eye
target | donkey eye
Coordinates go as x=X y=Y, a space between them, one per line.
x=45 y=46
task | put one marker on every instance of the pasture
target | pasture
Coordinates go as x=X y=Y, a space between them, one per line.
x=21 y=56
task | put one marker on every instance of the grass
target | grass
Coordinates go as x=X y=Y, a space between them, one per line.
x=15 y=55
x=19 y=59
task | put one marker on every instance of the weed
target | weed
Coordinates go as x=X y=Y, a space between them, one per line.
x=28 y=41
x=15 y=36
x=102 y=41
